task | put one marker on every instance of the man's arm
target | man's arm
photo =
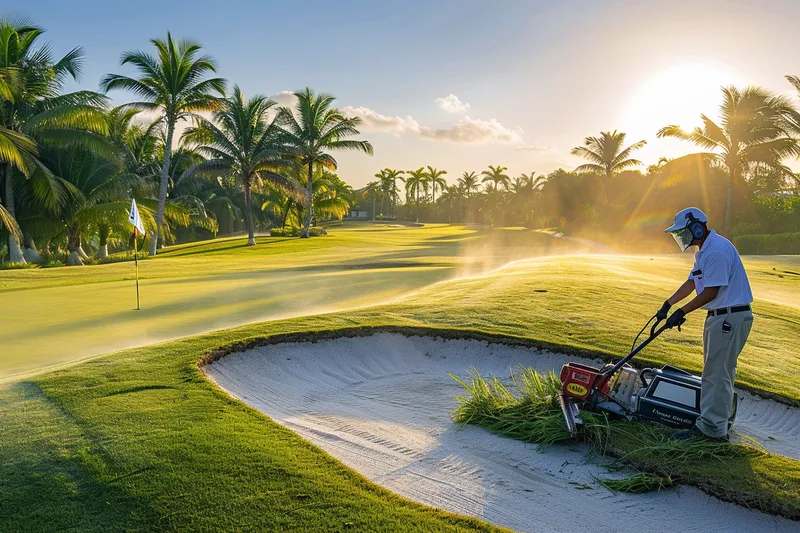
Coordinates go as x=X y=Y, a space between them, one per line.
x=677 y=318
x=683 y=291
x=708 y=294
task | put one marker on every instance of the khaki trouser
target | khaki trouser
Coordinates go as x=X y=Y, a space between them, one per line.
x=721 y=348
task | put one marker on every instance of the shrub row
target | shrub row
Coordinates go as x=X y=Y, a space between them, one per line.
x=295 y=232
x=774 y=244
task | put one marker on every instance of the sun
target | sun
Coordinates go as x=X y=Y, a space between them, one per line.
x=676 y=95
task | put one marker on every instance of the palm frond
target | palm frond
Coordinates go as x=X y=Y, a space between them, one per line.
x=7 y=221
x=287 y=185
x=18 y=150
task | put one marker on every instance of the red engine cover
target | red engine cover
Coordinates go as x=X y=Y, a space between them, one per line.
x=578 y=380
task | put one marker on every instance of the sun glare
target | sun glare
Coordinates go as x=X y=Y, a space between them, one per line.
x=677 y=95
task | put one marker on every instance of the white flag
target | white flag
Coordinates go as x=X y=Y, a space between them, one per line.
x=135 y=219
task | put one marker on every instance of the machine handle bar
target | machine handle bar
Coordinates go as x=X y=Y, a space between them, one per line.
x=653 y=334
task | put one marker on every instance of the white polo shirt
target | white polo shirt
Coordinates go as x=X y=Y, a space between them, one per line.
x=717 y=264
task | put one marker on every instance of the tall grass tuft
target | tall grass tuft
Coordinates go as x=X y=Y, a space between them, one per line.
x=533 y=414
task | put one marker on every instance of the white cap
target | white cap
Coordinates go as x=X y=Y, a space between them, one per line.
x=683 y=218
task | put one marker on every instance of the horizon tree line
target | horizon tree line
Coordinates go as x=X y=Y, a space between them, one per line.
x=70 y=163
x=757 y=132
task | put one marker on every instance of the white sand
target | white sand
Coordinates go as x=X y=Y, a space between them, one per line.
x=382 y=406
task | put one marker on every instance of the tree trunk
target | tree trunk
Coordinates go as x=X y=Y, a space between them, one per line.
x=605 y=187
x=373 y=206
x=729 y=203
x=248 y=207
x=31 y=254
x=309 y=191
x=74 y=242
x=102 y=252
x=74 y=259
x=289 y=205
x=162 y=193
x=15 y=254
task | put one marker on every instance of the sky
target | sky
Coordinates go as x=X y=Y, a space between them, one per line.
x=462 y=84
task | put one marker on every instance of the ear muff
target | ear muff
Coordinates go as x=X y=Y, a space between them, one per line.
x=695 y=227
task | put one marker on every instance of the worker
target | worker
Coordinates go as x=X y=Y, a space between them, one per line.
x=722 y=289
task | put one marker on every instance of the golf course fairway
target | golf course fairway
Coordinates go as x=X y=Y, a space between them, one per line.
x=141 y=439
x=63 y=315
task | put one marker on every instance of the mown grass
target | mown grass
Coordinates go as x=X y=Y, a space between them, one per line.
x=140 y=440
x=146 y=443
x=59 y=315
x=739 y=473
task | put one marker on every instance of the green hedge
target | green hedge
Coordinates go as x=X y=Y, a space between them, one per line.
x=295 y=232
x=773 y=244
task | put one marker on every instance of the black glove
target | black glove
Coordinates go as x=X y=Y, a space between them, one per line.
x=661 y=314
x=676 y=319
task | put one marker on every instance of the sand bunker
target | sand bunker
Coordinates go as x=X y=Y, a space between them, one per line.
x=382 y=405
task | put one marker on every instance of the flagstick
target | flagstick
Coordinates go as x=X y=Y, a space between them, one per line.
x=136 y=262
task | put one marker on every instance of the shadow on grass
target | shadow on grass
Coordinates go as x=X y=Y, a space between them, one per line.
x=49 y=472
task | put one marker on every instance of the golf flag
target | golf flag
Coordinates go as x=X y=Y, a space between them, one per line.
x=135 y=219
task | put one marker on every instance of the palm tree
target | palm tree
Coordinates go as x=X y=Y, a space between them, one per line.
x=174 y=84
x=453 y=194
x=385 y=184
x=469 y=183
x=415 y=183
x=434 y=177
x=388 y=184
x=496 y=176
x=607 y=156
x=332 y=197
x=33 y=112
x=752 y=132
x=394 y=191
x=241 y=141
x=97 y=195
x=315 y=128
x=531 y=182
x=371 y=190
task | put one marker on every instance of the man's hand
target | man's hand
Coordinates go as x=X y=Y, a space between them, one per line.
x=662 y=313
x=676 y=319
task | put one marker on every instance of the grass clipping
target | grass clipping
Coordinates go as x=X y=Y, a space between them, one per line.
x=637 y=483
x=534 y=415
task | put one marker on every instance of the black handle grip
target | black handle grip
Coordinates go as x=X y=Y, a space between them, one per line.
x=655 y=325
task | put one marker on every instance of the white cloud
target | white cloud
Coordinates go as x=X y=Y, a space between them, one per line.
x=535 y=147
x=469 y=130
x=284 y=98
x=465 y=131
x=452 y=104
x=374 y=121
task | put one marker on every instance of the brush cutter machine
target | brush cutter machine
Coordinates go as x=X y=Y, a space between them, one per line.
x=669 y=396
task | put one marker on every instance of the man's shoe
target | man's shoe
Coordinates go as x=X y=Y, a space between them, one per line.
x=695 y=433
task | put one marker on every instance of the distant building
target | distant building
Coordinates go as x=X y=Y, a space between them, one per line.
x=784 y=194
x=359 y=212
